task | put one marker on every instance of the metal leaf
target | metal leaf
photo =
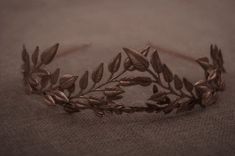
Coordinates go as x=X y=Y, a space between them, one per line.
x=204 y=63
x=156 y=62
x=217 y=57
x=126 y=82
x=59 y=95
x=98 y=73
x=201 y=89
x=161 y=99
x=33 y=81
x=128 y=65
x=42 y=72
x=44 y=81
x=214 y=52
x=115 y=64
x=35 y=56
x=209 y=98
x=55 y=76
x=155 y=89
x=114 y=91
x=221 y=61
x=157 y=96
x=81 y=101
x=95 y=101
x=24 y=54
x=139 y=80
x=49 y=100
x=178 y=83
x=167 y=74
x=138 y=61
x=145 y=51
x=188 y=85
x=153 y=106
x=220 y=56
x=200 y=83
x=143 y=80
x=67 y=80
x=26 y=60
x=212 y=74
x=84 y=80
x=48 y=54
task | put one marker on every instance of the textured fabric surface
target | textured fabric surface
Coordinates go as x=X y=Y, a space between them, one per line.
x=28 y=127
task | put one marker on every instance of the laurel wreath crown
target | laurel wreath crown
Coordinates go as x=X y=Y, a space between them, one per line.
x=169 y=91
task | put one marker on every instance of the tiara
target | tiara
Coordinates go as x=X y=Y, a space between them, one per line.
x=91 y=91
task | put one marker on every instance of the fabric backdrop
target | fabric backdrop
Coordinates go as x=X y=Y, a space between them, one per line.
x=28 y=127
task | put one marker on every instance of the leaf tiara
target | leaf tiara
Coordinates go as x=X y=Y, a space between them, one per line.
x=169 y=91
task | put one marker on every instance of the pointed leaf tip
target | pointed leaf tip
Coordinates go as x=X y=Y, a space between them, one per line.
x=115 y=64
x=67 y=80
x=48 y=55
x=35 y=56
x=188 y=85
x=83 y=83
x=98 y=73
x=167 y=73
x=55 y=76
x=156 y=62
x=138 y=61
x=178 y=83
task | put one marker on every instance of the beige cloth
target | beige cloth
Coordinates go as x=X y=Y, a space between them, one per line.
x=30 y=128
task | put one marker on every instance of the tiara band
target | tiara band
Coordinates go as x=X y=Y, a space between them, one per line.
x=169 y=91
